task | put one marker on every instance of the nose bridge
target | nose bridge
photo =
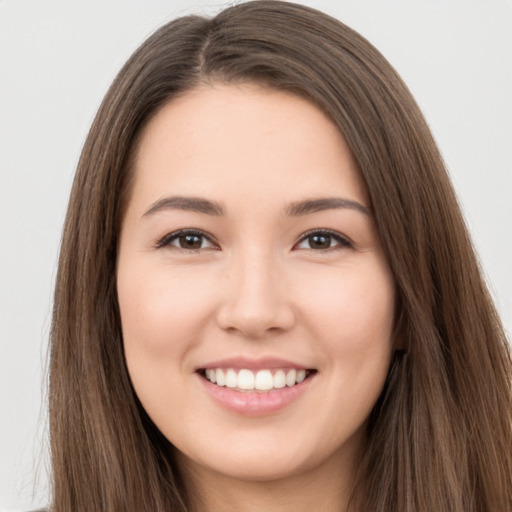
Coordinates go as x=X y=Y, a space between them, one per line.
x=255 y=298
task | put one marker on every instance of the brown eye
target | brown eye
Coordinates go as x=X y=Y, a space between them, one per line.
x=186 y=240
x=323 y=240
x=190 y=241
x=319 y=241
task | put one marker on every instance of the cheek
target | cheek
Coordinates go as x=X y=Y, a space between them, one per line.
x=162 y=318
x=160 y=311
x=352 y=314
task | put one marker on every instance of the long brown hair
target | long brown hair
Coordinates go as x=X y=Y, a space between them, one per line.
x=440 y=436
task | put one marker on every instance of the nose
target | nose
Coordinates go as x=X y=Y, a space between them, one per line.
x=256 y=301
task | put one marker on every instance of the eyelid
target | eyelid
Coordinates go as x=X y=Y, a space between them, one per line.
x=343 y=241
x=166 y=240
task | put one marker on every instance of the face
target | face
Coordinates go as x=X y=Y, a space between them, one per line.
x=256 y=302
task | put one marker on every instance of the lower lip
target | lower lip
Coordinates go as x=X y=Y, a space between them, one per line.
x=253 y=403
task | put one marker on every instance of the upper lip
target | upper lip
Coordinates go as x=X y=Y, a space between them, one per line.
x=239 y=363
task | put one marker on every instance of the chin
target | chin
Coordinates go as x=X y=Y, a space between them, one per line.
x=251 y=468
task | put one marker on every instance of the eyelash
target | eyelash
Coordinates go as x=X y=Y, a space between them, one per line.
x=166 y=241
x=175 y=235
x=343 y=242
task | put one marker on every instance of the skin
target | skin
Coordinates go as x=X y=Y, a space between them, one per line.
x=256 y=286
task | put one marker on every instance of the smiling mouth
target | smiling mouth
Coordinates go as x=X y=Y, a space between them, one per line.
x=261 y=381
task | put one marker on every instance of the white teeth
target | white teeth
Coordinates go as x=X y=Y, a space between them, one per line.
x=262 y=380
x=231 y=379
x=279 y=379
x=220 y=378
x=245 y=379
x=291 y=377
x=210 y=375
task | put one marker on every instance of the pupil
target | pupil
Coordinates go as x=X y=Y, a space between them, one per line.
x=190 y=241
x=320 y=241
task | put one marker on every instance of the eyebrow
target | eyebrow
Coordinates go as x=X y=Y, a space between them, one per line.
x=326 y=203
x=296 y=209
x=192 y=204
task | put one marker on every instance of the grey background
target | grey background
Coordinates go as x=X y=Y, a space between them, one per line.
x=57 y=59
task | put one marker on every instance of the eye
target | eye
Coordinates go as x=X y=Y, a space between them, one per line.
x=322 y=240
x=187 y=239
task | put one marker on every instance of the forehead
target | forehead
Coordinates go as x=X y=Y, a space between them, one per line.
x=244 y=139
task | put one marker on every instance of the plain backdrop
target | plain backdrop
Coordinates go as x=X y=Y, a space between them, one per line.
x=57 y=59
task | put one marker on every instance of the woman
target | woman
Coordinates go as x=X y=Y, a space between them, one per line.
x=267 y=297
